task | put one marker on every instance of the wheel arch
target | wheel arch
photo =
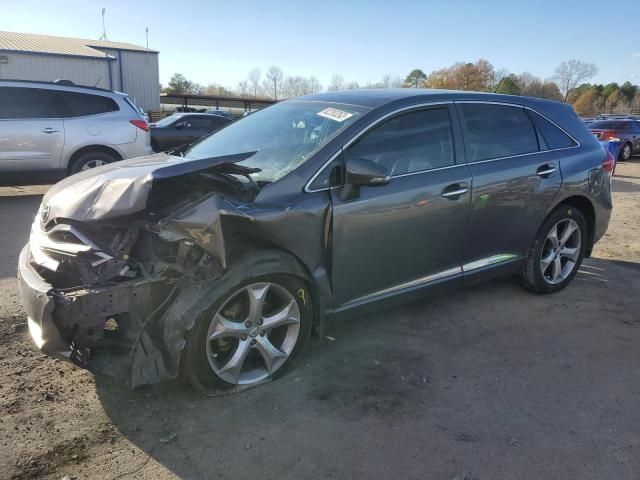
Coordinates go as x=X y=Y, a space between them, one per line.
x=585 y=206
x=244 y=242
x=92 y=148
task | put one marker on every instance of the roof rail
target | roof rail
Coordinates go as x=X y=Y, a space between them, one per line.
x=59 y=83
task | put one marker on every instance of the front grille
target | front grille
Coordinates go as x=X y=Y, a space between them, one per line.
x=49 y=249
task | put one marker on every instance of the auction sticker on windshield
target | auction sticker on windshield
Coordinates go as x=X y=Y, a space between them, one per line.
x=335 y=114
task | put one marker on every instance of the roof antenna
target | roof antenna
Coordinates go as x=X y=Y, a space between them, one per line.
x=103 y=37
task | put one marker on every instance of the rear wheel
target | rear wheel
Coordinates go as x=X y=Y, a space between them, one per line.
x=556 y=254
x=252 y=333
x=625 y=152
x=91 y=159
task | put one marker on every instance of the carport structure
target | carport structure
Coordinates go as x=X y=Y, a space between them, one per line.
x=217 y=101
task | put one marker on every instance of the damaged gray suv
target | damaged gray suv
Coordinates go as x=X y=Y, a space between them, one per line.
x=216 y=262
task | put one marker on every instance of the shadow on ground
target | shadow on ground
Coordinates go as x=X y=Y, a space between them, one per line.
x=487 y=382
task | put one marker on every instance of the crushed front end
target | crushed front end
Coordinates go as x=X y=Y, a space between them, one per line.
x=93 y=281
x=93 y=285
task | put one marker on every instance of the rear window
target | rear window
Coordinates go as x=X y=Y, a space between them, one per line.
x=608 y=125
x=553 y=136
x=25 y=103
x=76 y=104
x=496 y=131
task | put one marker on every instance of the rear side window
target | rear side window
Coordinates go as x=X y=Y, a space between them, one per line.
x=495 y=131
x=608 y=125
x=74 y=104
x=25 y=103
x=551 y=134
x=409 y=143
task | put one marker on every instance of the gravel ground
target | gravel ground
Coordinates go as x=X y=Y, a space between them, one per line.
x=485 y=383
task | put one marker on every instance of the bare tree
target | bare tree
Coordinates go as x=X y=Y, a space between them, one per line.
x=273 y=82
x=396 y=82
x=352 y=85
x=243 y=87
x=572 y=73
x=254 y=80
x=314 y=85
x=337 y=83
x=294 y=87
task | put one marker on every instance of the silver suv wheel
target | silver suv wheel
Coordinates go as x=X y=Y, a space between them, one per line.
x=92 y=164
x=253 y=333
x=560 y=251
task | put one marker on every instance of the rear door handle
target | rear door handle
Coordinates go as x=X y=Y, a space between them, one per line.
x=454 y=191
x=49 y=130
x=546 y=171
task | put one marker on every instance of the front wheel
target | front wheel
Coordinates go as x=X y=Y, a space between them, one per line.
x=557 y=251
x=91 y=159
x=252 y=333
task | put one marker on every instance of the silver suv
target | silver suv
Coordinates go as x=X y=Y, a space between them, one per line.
x=50 y=130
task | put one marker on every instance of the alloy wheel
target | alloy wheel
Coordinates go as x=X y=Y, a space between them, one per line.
x=253 y=333
x=92 y=164
x=560 y=251
x=626 y=152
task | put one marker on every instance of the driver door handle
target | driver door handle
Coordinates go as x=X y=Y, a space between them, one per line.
x=546 y=170
x=453 y=191
x=49 y=130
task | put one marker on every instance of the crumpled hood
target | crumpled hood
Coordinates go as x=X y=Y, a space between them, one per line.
x=120 y=188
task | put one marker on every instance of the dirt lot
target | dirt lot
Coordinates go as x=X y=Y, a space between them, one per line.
x=489 y=382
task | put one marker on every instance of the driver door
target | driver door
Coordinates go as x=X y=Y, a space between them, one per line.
x=411 y=232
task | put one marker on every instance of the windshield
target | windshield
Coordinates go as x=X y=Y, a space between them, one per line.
x=166 y=121
x=284 y=136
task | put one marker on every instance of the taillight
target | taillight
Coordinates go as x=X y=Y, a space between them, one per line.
x=141 y=124
x=609 y=162
x=607 y=135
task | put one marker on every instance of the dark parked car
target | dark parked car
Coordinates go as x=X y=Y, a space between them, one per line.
x=222 y=113
x=625 y=131
x=183 y=129
x=219 y=263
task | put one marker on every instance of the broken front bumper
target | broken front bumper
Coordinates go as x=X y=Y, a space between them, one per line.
x=38 y=302
x=62 y=324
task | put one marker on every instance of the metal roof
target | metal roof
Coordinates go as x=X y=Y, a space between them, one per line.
x=48 y=44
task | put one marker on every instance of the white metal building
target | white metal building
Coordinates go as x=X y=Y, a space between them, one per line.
x=114 y=65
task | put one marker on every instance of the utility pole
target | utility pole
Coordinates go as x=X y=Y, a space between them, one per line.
x=103 y=37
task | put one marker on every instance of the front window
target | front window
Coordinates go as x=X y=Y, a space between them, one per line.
x=284 y=136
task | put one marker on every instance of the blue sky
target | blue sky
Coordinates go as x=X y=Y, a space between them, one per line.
x=220 y=41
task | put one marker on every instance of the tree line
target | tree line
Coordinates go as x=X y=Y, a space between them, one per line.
x=568 y=84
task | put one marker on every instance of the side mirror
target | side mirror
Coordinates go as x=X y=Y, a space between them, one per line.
x=363 y=173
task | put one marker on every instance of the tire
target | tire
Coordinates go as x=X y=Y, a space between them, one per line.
x=205 y=364
x=547 y=269
x=625 y=152
x=91 y=159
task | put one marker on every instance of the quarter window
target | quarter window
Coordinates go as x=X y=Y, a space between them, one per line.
x=75 y=104
x=552 y=135
x=410 y=142
x=495 y=131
